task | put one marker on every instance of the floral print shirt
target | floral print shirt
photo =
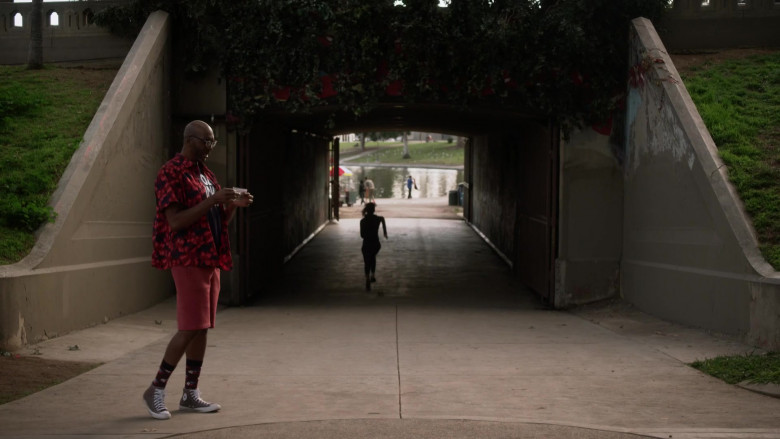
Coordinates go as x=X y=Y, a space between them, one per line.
x=179 y=182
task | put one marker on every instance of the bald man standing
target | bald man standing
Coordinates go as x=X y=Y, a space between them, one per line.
x=191 y=239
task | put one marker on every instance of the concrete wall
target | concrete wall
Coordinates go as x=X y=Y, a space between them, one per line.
x=494 y=192
x=75 y=38
x=689 y=252
x=512 y=184
x=305 y=180
x=590 y=222
x=287 y=171
x=93 y=263
x=720 y=24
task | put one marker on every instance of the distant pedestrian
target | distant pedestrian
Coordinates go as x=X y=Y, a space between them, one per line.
x=410 y=182
x=361 y=191
x=369 y=184
x=369 y=231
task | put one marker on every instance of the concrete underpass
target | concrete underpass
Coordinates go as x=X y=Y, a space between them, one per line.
x=431 y=256
x=458 y=350
x=510 y=196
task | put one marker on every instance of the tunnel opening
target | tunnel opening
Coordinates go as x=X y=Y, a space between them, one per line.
x=509 y=188
x=416 y=174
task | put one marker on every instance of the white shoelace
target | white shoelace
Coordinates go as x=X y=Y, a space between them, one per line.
x=159 y=400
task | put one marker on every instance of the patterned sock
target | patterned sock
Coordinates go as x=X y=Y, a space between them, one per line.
x=193 y=373
x=163 y=374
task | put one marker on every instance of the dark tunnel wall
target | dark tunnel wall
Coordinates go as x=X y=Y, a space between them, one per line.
x=305 y=182
x=287 y=173
x=513 y=197
x=494 y=190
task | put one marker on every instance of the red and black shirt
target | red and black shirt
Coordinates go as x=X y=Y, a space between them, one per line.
x=186 y=182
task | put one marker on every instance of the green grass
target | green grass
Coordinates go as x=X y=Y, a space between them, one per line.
x=422 y=153
x=739 y=101
x=355 y=146
x=43 y=117
x=753 y=368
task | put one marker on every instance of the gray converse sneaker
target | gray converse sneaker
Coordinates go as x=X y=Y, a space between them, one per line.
x=154 y=400
x=190 y=400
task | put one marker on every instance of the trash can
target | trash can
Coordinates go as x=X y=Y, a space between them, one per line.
x=453 y=198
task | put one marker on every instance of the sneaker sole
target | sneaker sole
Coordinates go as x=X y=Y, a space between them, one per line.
x=200 y=409
x=162 y=416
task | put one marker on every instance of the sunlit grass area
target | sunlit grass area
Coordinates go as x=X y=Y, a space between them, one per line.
x=441 y=153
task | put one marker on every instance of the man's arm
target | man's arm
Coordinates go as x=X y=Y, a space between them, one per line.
x=180 y=218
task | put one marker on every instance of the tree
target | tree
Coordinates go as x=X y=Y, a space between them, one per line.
x=406 y=147
x=362 y=141
x=560 y=59
x=35 y=54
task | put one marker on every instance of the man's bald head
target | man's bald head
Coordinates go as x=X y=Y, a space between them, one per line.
x=196 y=128
x=198 y=141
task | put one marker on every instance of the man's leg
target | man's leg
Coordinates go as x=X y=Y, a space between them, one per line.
x=196 y=349
x=197 y=291
x=154 y=396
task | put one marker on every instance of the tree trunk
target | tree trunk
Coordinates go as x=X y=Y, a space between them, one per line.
x=406 y=147
x=35 y=55
x=362 y=141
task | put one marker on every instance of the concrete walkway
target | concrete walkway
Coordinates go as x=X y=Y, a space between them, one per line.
x=446 y=345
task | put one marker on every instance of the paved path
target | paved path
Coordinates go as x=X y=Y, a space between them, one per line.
x=446 y=345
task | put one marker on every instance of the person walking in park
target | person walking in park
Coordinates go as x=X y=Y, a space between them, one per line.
x=190 y=238
x=369 y=184
x=410 y=182
x=369 y=231
x=361 y=191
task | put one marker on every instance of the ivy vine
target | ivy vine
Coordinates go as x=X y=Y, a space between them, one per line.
x=563 y=59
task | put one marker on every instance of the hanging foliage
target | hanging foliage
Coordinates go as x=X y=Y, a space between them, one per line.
x=563 y=59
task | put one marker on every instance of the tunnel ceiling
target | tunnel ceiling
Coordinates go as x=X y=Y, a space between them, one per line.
x=438 y=118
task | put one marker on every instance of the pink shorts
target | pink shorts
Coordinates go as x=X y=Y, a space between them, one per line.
x=197 y=293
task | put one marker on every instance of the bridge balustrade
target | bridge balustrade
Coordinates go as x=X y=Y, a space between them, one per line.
x=720 y=24
x=69 y=32
x=703 y=9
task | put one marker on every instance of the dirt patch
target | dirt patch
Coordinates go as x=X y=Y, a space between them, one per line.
x=684 y=62
x=24 y=375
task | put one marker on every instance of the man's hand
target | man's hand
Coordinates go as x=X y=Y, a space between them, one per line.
x=225 y=196
x=244 y=200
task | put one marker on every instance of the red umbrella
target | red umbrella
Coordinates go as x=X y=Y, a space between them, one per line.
x=342 y=172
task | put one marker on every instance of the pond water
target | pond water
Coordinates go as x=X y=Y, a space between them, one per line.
x=390 y=182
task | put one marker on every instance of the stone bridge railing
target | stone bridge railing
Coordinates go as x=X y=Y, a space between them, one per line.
x=720 y=24
x=69 y=33
x=706 y=9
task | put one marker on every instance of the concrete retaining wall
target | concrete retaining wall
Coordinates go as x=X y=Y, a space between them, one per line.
x=93 y=263
x=74 y=38
x=689 y=252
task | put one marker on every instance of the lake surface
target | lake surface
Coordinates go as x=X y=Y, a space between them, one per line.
x=390 y=182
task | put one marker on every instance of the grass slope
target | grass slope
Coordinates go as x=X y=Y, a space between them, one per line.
x=739 y=101
x=43 y=117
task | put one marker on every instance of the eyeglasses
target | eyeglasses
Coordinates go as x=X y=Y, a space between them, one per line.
x=207 y=142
